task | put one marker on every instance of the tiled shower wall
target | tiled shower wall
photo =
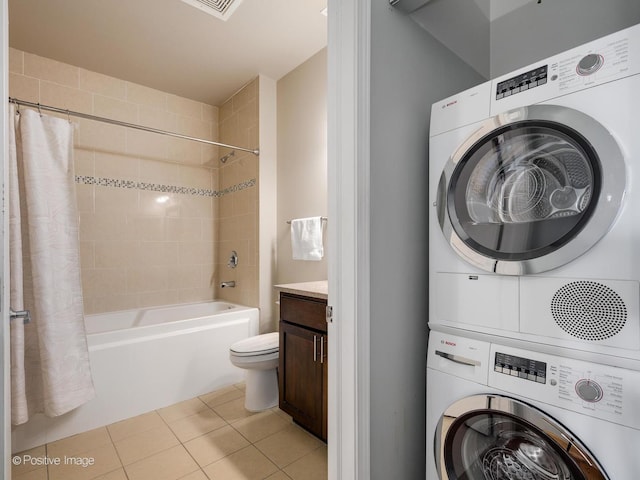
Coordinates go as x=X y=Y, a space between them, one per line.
x=238 y=213
x=148 y=203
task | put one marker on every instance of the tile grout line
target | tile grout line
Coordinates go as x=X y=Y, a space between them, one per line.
x=186 y=449
x=46 y=454
x=117 y=452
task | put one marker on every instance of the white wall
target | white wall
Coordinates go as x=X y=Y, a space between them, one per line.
x=410 y=70
x=537 y=31
x=302 y=161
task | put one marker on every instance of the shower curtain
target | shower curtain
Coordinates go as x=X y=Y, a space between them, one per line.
x=50 y=370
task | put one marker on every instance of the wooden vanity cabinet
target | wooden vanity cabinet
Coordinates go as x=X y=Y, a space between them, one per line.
x=302 y=373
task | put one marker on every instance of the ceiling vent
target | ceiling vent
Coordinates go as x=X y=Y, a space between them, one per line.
x=221 y=9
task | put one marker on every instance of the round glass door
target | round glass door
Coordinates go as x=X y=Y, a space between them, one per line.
x=503 y=439
x=526 y=185
x=526 y=189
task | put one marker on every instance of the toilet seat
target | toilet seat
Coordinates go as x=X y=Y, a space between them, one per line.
x=259 y=345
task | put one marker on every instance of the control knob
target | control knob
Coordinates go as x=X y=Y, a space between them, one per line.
x=589 y=391
x=589 y=64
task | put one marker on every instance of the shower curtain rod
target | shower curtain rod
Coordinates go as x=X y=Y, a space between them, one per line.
x=128 y=125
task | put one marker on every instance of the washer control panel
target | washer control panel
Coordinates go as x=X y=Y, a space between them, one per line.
x=520 y=367
x=600 y=391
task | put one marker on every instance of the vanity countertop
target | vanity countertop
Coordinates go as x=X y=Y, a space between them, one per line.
x=318 y=289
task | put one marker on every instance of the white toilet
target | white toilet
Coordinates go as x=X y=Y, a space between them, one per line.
x=259 y=356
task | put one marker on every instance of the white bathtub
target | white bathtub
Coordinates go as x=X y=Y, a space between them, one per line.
x=146 y=359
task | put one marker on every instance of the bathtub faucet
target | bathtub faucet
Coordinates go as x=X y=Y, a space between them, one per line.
x=230 y=284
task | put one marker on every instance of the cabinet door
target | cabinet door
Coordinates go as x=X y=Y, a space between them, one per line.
x=302 y=376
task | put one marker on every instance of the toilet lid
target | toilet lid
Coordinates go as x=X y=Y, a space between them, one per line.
x=258 y=345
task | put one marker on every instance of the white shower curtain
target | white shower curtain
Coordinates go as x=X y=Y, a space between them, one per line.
x=50 y=370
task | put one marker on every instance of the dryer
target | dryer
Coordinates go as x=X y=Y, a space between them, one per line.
x=534 y=204
x=497 y=412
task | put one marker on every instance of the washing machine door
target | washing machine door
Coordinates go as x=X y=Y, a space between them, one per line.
x=531 y=190
x=491 y=437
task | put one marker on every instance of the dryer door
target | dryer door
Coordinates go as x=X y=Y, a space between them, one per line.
x=491 y=437
x=531 y=190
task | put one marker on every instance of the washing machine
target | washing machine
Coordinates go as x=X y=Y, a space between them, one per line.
x=498 y=412
x=534 y=201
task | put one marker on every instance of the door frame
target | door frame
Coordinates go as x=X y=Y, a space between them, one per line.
x=349 y=259
x=5 y=363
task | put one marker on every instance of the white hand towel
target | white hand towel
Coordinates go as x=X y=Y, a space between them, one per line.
x=306 y=239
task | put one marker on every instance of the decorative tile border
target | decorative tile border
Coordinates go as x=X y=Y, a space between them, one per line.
x=155 y=187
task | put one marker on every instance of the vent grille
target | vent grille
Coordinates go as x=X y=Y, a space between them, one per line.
x=218 y=8
x=589 y=310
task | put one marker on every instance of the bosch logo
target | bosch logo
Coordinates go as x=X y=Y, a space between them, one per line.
x=447 y=105
x=447 y=342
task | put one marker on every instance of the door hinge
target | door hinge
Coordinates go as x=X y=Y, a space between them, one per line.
x=329 y=313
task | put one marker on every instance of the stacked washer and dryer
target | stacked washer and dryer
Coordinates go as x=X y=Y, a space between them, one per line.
x=533 y=368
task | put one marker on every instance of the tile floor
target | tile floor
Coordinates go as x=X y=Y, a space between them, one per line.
x=211 y=437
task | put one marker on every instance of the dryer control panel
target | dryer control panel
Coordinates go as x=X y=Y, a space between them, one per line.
x=524 y=81
x=600 y=391
x=601 y=61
